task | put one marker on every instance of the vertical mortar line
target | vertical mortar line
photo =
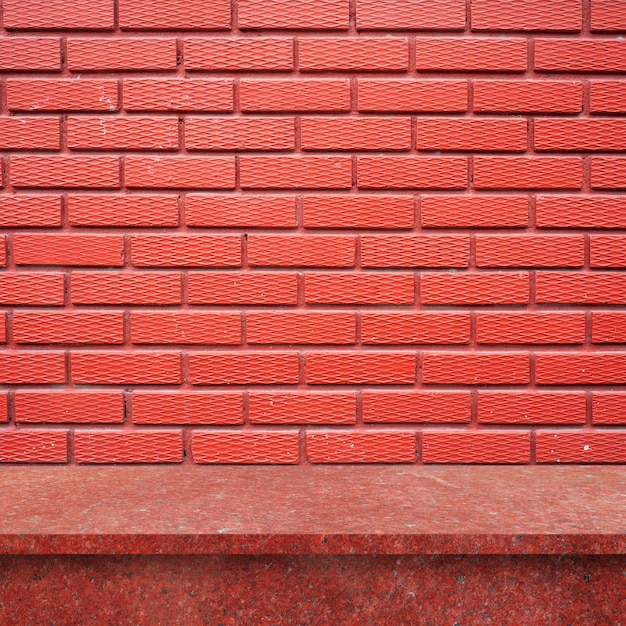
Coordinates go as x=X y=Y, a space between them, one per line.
x=116 y=15
x=234 y=17
x=533 y=446
x=588 y=409
x=302 y=449
x=352 y=30
x=473 y=423
x=468 y=16
x=586 y=18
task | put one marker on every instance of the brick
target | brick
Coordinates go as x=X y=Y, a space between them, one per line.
x=244 y=368
x=609 y=408
x=122 y=133
x=128 y=447
x=361 y=447
x=298 y=251
x=186 y=408
x=579 y=55
x=35 y=446
x=186 y=250
x=302 y=408
x=3 y=331
x=302 y=327
x=68 y=327
x=29 y=211
x=530 y=251
x=609 y=327
x=569 y=288
x=174 y=15
x=415 y=96
x=475 y=289
x=369 y=288
x=408 y=172
x=30 y=54
x=260 y=288
x=474 y=211
x=531 y=408
x=264 y=54
x=48 y=249
x=608 y=251
x=242 y=133
x=527 y=172
x=527 y=15
x=475 y=447
x=180 y=172
x=126 y=210
x=126 y=368
x=580 y=368
x=411 y=251
x=608 y=96
x=58 y=14
x=358 y=212
x=85 y=55
x=284 y=14
x=445 y=54
x=415 y=328
x=526 y=96
x=32 y=368
x=348 y=55
x=30 y=133
x=581 y=447
x=360 y=368
x=185 y=327
x=608 y=15
x=32 y=288
x=373 y=133
x=69 y=407
x=416 y=407
x=410 y=15
x=530 y=328
x=171 y=94
x=580 y=211
x=295 y=172
x=53 y=94
x=72 y=172
x=148 y=288
x=4 y=407
x=475 y=368
x=251 y=447
x=240 y=211
x=608 y=172
x=576 y=135
x=294 y=95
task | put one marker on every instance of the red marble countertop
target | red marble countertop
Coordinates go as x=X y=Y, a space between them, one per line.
x=313 y=510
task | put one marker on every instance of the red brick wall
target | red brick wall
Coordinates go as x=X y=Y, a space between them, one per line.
x=313 y=231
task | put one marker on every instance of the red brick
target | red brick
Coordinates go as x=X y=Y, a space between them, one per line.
x=475 y=289
x=530 y=251
x=69 y=407
x=410 y=15
x=608 y=251
x=298 y=251
x=609 y=408
x=122 y=133
x=302 y=408
x=180 y=172
x=361 y=447
x=581 y=212
x=360 y=368
x=121 y=54
x=31 y=54
x=524 y=15
x=301 y=327
x=30 y=133
x=126 y=210
x=239 y=55
x=569 y=288
x=527 y=172
x=531 y=408
x=241 y=133
x=411 y=251
x=609 y=327
x=526 y=96
x=415 y=407
x=581 y=447
x=185 y=327
x=3 y=251
x=244 y=368
x=176 y=15
x=53 y=94
x=240 y=211
x=184 y=407
x=415 y=96
x=475 y=368
x=528 y=327
x=608 y=172
x=88 y=249
x=576 y=135
x=126 y=368
x=471 y=55
x=415 y=328
x=128 y=447
x=171 y=94
x=294 y=95
x=148 y=288
x=56 y=14
x=3 y=331
x=32 y=288
x=348 y=55
x=608 y=96
x=580 y=368
x=364 y=133
x=608 y=15
x=408 y=172
x=248 y=288
x=580 y=55
x=295 y=172
x=90 y=172
x=186 y=250
x=252 y=447
x=370 y=288
x=302 y=15
x=4 y=406
x=32 y=368
x=475 y=447
x=35 y=446
x=27 y=211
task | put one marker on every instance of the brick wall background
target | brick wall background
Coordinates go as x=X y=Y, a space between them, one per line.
x=293 y=231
